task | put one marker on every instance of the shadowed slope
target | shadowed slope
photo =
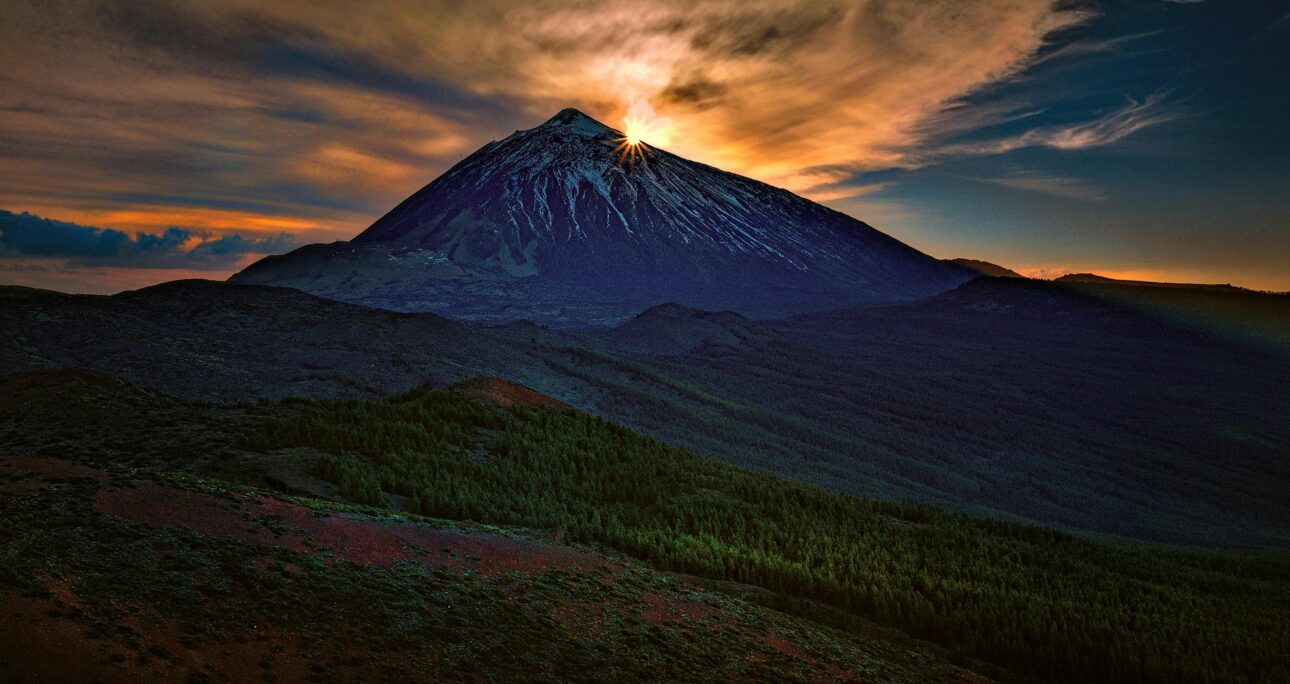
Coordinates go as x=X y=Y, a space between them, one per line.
x=673 y=329
x=1007 y=396
x=160 y=535
x=1233 y=312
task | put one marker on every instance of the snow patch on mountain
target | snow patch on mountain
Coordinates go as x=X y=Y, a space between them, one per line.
x=560 y=224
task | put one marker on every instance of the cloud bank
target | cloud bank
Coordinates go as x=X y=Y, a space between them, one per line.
x=27 y=236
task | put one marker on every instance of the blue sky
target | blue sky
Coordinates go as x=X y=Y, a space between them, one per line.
x=1200 y=192
x=1141 y=139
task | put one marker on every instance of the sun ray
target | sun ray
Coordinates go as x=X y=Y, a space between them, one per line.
x=641 y=121
x=631 y=152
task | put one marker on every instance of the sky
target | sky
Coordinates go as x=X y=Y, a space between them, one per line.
x=142 y=141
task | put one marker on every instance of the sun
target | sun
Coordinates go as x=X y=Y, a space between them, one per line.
x=632 y=147
x=635 y=131
x=641 y=123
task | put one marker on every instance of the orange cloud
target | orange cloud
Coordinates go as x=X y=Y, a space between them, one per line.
x=344 y=169
x=157 y=218
x=835 y=86
x=799 y=93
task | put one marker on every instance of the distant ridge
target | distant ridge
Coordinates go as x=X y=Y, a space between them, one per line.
x=1231 y=311
x=674 y=329
x=1094 y=278
x=986 y=268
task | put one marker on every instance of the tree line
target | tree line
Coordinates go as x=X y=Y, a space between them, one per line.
x=1035 y=601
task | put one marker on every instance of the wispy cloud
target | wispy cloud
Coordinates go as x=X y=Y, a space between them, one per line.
x=1112 y=127
x=346 y=107
x=1057 y=186
x=1133 y=117
x=1103 y=46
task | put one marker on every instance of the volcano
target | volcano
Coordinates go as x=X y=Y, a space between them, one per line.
x=557 y=225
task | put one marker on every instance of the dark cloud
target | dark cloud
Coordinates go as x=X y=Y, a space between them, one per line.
x=752 y=33
x=247 y=42
x=696 y=91
x=29 y=236
x=212 y=40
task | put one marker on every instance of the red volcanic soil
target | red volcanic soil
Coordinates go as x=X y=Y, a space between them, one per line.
x=47 y=636
x=506 y=394
x=671 y=607
x=20 y=474
x=54 y=384
x=356 y=538
x=584 y=618
x=42 y=637
x=826 y=672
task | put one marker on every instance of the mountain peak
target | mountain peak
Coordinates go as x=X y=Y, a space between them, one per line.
x=550 y=224
x=578 y=122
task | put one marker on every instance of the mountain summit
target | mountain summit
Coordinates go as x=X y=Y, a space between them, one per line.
x=564 y=224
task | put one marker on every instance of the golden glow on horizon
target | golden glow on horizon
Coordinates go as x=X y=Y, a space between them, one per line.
x=154 y=219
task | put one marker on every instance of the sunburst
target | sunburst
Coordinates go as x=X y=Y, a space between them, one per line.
x=631 y=147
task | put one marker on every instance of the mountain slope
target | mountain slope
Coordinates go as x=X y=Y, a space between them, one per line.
x=563 y=225
x=1234 y=312
x=673 y=329
x=174 y=523
x=212 y=340
x=169 y=575
x=1006 y=396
